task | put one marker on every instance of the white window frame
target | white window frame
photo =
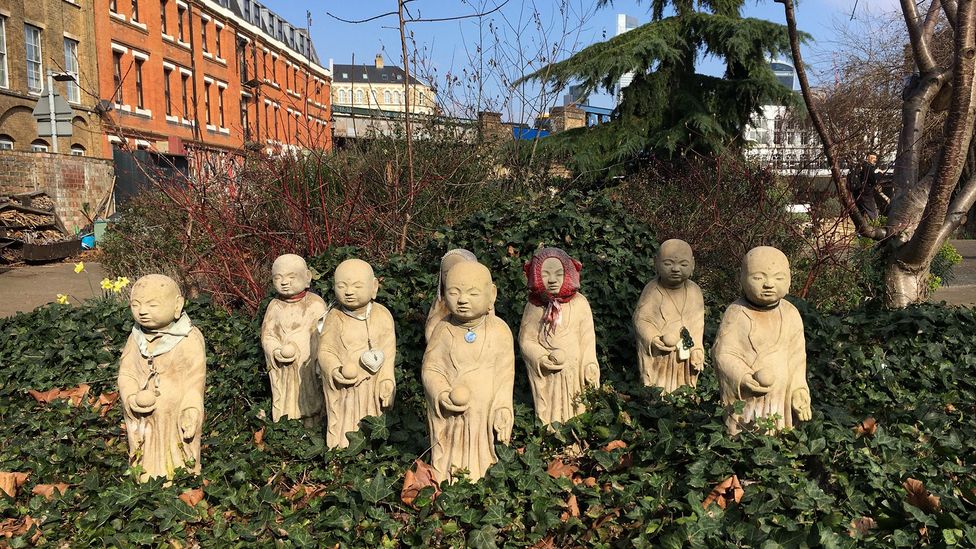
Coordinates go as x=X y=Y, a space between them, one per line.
x=4 y=74
x=6 y=144
x=77 y=150
x=72 y=67
x=39 y=62
x=39 y=148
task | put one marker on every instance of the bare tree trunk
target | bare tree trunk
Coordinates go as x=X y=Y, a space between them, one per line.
x=921 y=216
x=904 y=285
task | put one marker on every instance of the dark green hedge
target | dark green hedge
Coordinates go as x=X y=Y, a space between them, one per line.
x=913 y=370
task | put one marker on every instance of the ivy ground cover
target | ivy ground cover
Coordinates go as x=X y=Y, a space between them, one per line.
x=889 y=459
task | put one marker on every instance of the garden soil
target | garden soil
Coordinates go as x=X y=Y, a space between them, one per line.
x=27 y=287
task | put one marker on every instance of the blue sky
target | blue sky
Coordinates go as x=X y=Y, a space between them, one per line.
x=449 y=45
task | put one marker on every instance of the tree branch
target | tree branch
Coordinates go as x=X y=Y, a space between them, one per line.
x=459 y=17
x=931 y=18
x=830 y=147
x=959 y=133
x=964 y=199
x=920 y=47
x=950 y=8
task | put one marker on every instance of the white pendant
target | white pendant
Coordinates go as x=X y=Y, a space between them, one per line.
x=372 y=360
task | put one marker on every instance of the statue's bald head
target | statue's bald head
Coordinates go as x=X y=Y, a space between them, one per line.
x=155 y=301
x=288 y=262
x=675 y=248
x=156 y=284
x=355 y=284
x=356 y=268
x=765 y=257
x=674 y=262
x=765 y=276
x=290 y=275
x=469 y=272
x=470 y=293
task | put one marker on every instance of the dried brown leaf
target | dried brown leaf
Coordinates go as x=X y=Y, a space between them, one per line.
x=75 y=394
x=919 y=497
x=11 y=481
x=573 y=506
x=416 y=480
x=614 y=445
x=728 y=490
x=48 y=490
x=557 y=468
x=861 y=526
x=866 y=427
x=105 y=402
x=259 y=438
x=192 y=497
x=44 y=396
x=11 y=527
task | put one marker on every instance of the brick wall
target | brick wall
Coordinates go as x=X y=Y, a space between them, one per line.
x=71 y=181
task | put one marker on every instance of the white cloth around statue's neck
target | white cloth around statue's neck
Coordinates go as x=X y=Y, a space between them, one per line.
x=166 y=338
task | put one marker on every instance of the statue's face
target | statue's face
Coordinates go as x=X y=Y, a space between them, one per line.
x=765 y=278
x=674 y=265
x=155 y=306
x=469 y=292
x=553 y=275
x=290 y=276
x=354 y=284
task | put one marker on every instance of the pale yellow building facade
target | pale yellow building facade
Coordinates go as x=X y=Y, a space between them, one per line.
x=380 y=87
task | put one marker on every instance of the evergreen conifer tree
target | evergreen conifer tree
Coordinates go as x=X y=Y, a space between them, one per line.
x=670 y=109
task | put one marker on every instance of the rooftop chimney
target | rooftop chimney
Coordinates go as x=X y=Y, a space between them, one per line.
x=379 y=60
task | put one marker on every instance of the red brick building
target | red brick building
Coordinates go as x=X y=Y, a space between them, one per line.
x=208 y=75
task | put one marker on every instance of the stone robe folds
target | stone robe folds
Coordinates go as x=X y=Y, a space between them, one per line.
x=343 y=341
x=296 y=391
x=466 y=440
x=658 y=314
x=155 y=439
x=555 y=392
x=750 y=340
x=438 y=313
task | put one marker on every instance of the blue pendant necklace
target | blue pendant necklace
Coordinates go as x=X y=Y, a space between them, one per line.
x=471 y=336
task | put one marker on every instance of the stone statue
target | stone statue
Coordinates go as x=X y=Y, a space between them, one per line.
x=759 y=353
x=161 y=381
x=469 y=375
x=557 y=337
x=290 y=338
x=670 y=321
x=438 y=309
x=357 y=350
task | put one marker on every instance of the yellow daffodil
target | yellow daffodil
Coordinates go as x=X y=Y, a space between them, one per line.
x=62 y=299
x=107 y=284
x=120 y=282
x=80 y=266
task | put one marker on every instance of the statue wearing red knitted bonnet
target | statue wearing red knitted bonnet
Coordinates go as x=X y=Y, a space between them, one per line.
x=557 y=336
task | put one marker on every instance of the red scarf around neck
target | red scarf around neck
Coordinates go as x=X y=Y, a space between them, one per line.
x=295 y=298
